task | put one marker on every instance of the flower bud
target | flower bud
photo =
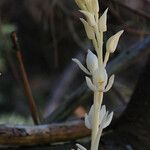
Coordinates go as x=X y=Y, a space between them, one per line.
x=90 y=17
x=81 y=4
x=89 y=6
x=103 y=22
x=112 y=42
x=91 y=61
x=88 y=29
x=95 y=6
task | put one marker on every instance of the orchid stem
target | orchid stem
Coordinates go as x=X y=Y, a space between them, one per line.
x=99 y=48
x=98 y=98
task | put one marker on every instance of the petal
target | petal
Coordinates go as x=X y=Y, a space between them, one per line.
x=103 y=22
x=112 y=42
x=80 y=147
x=104 y=120
x=90 y=115
x=81 y=66
x=108 y=120
x=90 y=84
x=91 y=61
x=110 y=83
x=102 y=113
x=87 y=122
x=88 y=29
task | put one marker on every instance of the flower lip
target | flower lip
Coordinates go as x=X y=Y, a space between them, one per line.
x=100 y=78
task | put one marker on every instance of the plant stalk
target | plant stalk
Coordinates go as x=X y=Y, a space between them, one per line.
x=98 y=97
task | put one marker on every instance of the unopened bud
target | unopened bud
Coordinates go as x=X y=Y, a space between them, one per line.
x=95 y=6
x=103 y=22
x=90 y=17
x=112 y=42
x=81 y=4
x=88 y=29
x=91 y=61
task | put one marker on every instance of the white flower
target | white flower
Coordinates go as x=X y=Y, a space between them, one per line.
x=99 y=74
x=105 y=118
x=112 y=42
x=92 y=63
x=100 y=78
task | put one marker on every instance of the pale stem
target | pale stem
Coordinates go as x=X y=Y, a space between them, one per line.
x=99 y=37
x=98 y=97
x=106 y=58
x=95 y=44
x=97 y=140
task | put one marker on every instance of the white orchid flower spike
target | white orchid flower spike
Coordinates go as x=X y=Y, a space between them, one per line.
x=96 y=77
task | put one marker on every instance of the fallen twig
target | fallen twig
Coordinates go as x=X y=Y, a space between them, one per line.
x=41 y=134
x=26 y=85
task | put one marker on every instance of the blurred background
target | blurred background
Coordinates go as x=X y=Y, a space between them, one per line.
x=50 y=34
